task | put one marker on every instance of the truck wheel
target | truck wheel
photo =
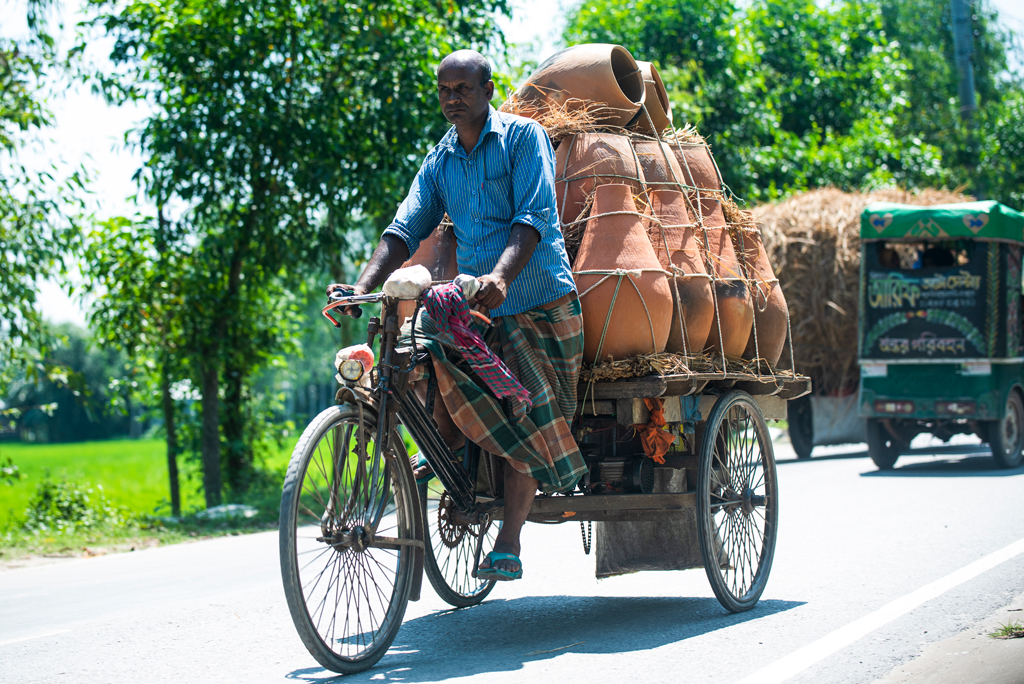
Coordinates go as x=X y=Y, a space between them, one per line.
x=1005 y=436
x=801 y=426
x=882 y=448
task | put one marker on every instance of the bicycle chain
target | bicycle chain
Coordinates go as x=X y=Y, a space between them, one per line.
x=588 y=536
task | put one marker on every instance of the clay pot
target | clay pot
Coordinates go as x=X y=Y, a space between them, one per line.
x=656 y=105
x=437 y=254
x=601 y=76
x=698 y=166
x=615 y=239
x=732 y=296
x=585 y=160
x=675 y=244
x=659 y=165
x=771 y=314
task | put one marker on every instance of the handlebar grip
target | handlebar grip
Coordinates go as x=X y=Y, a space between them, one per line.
x=358 y=313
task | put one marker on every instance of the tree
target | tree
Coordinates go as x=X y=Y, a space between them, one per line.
x=279 y=126
x=37 y=230
x=793 y=94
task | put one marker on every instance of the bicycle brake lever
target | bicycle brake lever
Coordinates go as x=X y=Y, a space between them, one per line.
x=342 y=292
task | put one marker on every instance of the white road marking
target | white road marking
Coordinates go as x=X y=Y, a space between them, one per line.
x=803 y=658
x=34 y=636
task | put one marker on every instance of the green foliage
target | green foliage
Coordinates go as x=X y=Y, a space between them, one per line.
x=281 y=128
x=1002 y=149
x=133 y=473
x=10 y=473
x=37 y=228
x=794 y=94
x=1011 y=630
x=59 y=506
x=82 y=410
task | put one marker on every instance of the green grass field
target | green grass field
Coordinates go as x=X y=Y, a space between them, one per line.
x=133 y=473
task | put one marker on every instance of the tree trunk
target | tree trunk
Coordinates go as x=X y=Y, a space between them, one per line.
x=238 y=462
x=172 y=442
x=210 y=444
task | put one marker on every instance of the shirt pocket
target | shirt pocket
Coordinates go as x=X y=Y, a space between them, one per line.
x=498 y=198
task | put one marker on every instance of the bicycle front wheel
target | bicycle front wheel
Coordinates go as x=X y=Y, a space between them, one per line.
x=346 y=592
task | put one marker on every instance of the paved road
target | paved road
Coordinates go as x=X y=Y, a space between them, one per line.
x=852 y=542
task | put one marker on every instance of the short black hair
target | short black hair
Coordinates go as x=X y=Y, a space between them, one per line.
x=464 y=58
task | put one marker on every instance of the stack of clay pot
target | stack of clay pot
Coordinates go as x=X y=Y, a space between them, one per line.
x=603 y=78
x=771 y=315
x=693 y=285
x=735 y=307
x=586 y=160
x=671 y=229
x=624 y=292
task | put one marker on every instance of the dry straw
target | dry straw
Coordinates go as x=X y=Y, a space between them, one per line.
x=666 y=363
x=813 y=242
x=559 y=121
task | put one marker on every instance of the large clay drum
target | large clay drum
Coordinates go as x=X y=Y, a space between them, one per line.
x=732 y=296
x=699 y=168
x=586 y=160
x=675 y=245
x=656 y=113
x=604 y=79
x=437 y=253
x=622 y=315
x=771 y=314
x=659 y=165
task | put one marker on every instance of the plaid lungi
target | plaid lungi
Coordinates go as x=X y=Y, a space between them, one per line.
x=543 y=347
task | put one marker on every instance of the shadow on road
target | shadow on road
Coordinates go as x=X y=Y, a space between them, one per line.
x=501 y=636
x=861 y=453
x=948 y=461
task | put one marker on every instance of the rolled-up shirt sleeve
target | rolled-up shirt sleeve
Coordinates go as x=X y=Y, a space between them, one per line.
x=421 y=210
x=533 y=181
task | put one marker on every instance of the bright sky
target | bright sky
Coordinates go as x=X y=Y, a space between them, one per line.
x=90 y=132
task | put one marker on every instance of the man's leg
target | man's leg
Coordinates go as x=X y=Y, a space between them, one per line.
x=520 y=491
x=450 y=432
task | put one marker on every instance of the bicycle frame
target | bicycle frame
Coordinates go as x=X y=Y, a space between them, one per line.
x=392 y=397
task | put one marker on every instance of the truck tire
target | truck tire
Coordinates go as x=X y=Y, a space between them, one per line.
x=1005 y=436
x=883 y=449
x=801 y=426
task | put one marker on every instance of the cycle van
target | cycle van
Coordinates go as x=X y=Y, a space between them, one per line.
x=940 y=345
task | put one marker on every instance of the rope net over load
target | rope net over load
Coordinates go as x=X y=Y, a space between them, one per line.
x=673 y=277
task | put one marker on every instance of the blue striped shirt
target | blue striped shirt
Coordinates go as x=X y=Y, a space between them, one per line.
x=508 y=178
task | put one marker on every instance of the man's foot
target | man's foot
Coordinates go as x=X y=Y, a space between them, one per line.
x=502 y=563
x=421 y=470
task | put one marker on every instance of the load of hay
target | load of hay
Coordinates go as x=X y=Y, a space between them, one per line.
x=813 y=241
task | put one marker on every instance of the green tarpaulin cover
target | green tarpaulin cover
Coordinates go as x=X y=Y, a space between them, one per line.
x=978 y=220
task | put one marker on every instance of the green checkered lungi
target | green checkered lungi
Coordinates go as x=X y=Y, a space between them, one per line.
x=543 y=347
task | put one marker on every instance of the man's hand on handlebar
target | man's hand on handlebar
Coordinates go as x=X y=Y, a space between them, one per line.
x=337 y=289
x=492 y=292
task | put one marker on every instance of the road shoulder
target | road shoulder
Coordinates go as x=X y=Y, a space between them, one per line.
x=971 y=656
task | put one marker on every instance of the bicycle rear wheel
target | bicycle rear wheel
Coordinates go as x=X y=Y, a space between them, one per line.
x=347 y=594
x=451 y=550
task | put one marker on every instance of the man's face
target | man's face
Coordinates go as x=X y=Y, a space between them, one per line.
x=460 y=94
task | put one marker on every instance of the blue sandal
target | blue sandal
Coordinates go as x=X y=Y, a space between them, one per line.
x=421 y=461
x=493 y=573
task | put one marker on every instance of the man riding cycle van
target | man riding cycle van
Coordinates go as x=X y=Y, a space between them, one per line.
x=493 y=174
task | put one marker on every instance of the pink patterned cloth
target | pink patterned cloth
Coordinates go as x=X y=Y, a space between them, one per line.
x=449 y=309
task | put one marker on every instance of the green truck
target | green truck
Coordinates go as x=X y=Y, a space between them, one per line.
x=940 y=342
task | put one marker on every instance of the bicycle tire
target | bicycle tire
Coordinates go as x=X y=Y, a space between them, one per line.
x=352 y=652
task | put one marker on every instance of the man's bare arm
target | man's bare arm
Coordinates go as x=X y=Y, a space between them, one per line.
x=391 y=253
x=494 y=286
